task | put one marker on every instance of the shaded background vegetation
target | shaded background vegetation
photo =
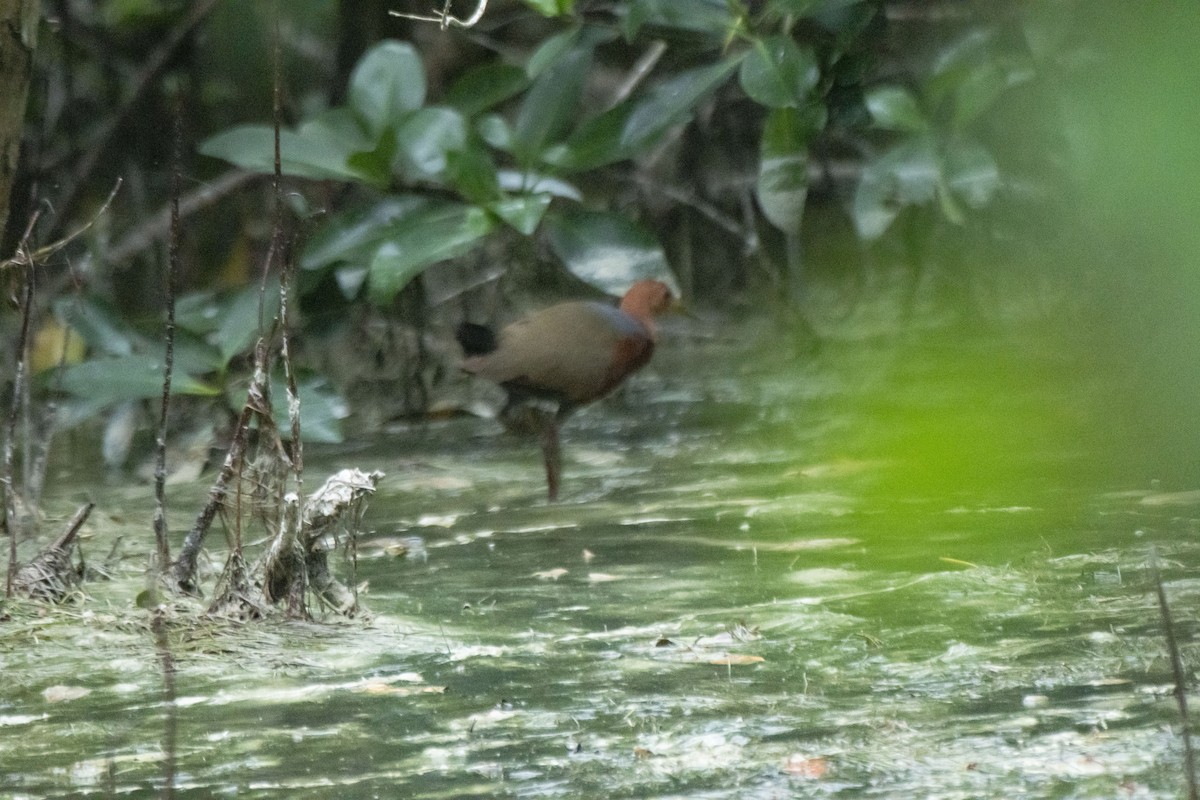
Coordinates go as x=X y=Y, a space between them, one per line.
x=788 y=159
x=944 y=254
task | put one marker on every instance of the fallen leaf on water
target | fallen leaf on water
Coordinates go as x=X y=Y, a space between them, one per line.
x=602 y=577
x=381 y=688
x=407 y=677
x=438 y=520
x=62 y=694
x=642 y=753
x=803 y=766
x=736 y=659
x=550 y=574
x=1172 y=498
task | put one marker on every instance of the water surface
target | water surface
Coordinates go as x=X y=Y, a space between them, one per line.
x=899 y=566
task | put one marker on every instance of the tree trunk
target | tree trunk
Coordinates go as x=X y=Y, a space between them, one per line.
x=18 y=37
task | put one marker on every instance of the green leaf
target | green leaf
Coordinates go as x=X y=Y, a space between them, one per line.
x=606 y=249
x=595 y=143
x=976 y=93
x=195 y=356
x=783 y=165
x=484 y=86
x=434 y=233
x=949 y=205
x=99 y=323
x=915 y=169
x=377 y=163
x=846 y=19
x=322 y=409
x=551 y=103
x=671 y=102
x=624 y=131
x=551 y=8
x=425 y=138
x=239 y=320
x=894 y=108
x=321 y=149
x=777 y=72
x=473 y=173
x=495 y=130
x=523 y=212
x=387 y=81
x=971 y=172
x=353 y=234
x=908 y=174
x=875 y=205
x=714 y=18
x=795 y=8
x=338 y=125
x=149 y=599
x=524 y=182
x=198 y=312
x=128 y=378
x=550 y=51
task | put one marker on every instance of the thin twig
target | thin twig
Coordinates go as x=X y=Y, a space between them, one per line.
x=157 y=227
x=1189 y=757
x=704 y=208
x=54 y=247
x=444 y=18
x=257 y=402
x=25 y=257
x=10 y=500
x=51 y=574
x=639 y=71
x=67 y=538
x=162 y=548
x=287 y=271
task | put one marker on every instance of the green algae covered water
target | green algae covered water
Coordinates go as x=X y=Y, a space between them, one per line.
x=900 y=566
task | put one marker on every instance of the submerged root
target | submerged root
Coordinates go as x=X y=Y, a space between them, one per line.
x=335 y=507
x=52 y=575
x=235 y=597
x=283 y=570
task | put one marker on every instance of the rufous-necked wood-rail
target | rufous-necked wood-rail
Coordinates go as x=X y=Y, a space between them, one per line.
x=569 y=354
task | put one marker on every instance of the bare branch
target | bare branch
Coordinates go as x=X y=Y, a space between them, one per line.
x=639 y=71
x=25 y=259
x=162 y=550
x=444 y=18
x=1180 y=675
x=157 y=227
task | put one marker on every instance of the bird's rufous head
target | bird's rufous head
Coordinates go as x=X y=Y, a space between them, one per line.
x=646 y=299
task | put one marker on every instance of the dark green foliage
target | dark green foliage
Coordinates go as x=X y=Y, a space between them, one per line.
x=214 y=331
x=388 y=139
x=605 y=248
x=604 y=141
x=935 y=155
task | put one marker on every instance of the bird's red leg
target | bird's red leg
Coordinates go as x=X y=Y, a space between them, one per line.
x=552 y=456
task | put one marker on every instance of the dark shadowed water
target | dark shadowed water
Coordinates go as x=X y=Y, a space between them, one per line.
x=901 y=566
